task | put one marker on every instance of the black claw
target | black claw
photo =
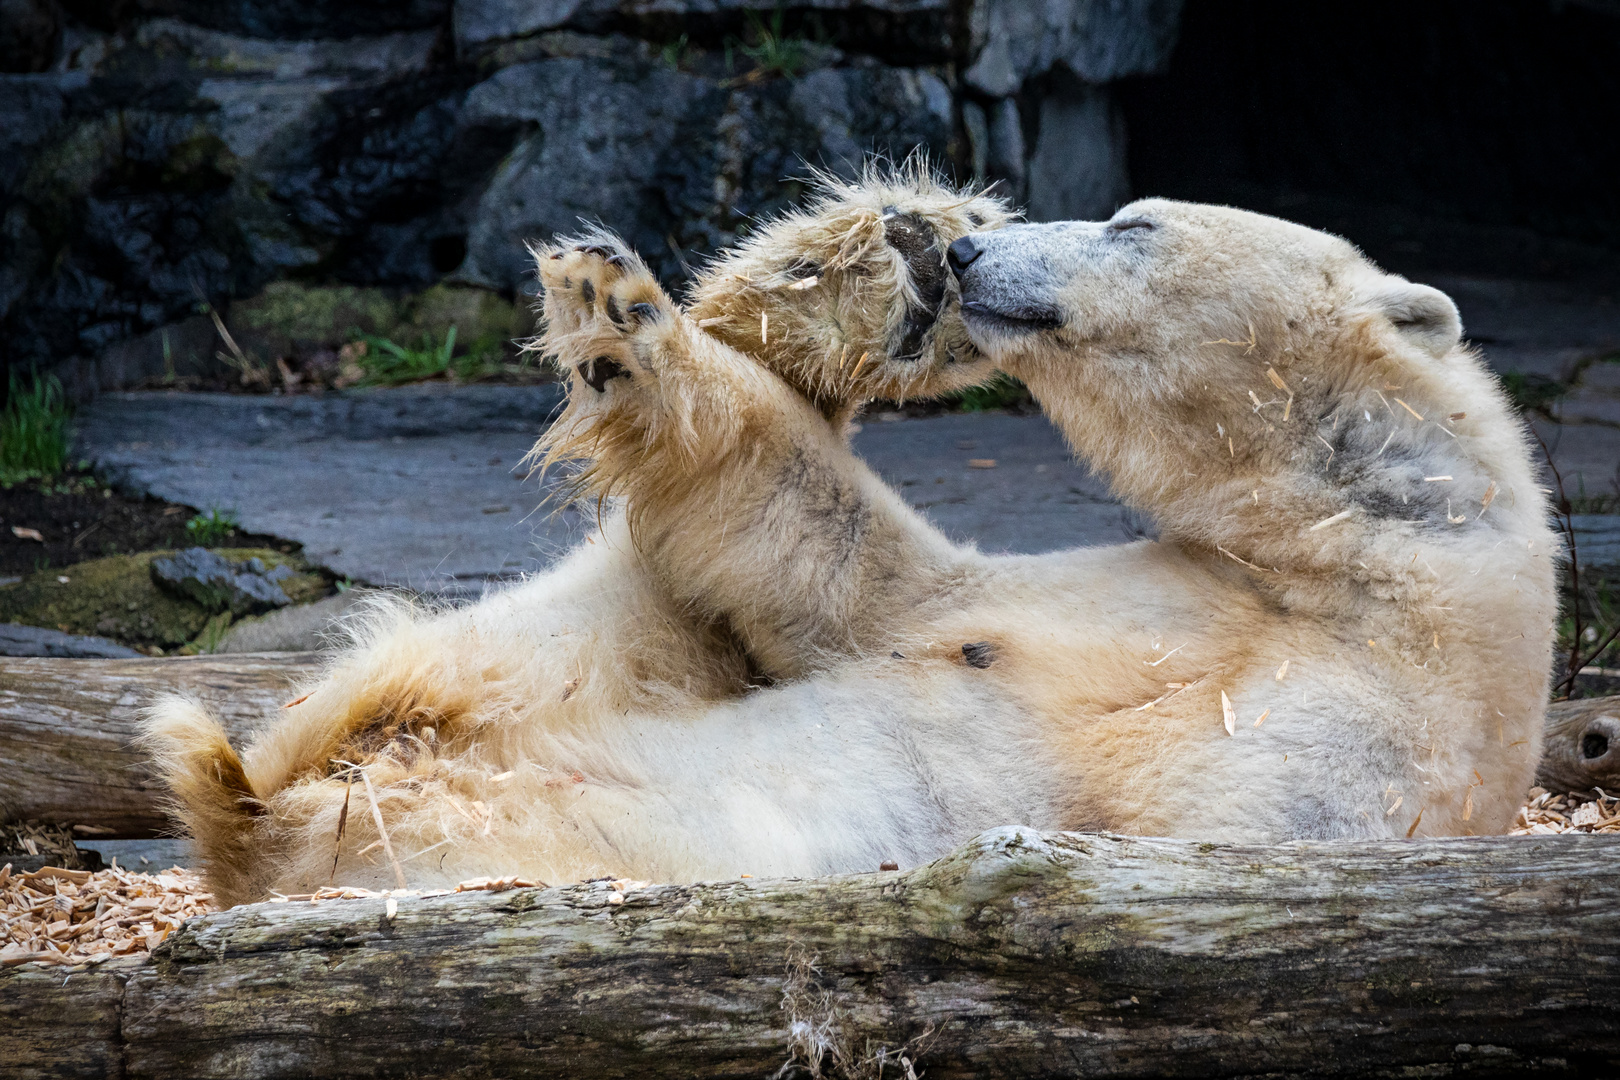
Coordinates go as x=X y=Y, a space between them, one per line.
x=588 y=291
x=979 y=654
x=644 y=311
x=617 y=260
x=599 y=250
x=596 y=373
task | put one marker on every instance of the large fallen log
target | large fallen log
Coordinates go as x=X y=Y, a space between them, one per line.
x=1022 y=954
x=67 y=730
x=66 y=727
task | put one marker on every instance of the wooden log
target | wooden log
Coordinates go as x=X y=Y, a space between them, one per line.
x=1582 y=750
x=66 y=730
x=1022 y=954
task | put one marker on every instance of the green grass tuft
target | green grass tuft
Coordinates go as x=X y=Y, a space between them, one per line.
x=773 y=52
x=212 y=527
x=388 y=363
x=34 y=431
x=1002 y=392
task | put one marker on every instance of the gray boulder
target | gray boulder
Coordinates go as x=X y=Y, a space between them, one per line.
x=479 y=22
x=19 y=640
x=216 y=584
x=1078 y=170
x=294 y=629
x=678 y=163
x=1098 y=40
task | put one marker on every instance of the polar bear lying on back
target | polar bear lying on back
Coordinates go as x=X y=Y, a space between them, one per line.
x=1345 y=631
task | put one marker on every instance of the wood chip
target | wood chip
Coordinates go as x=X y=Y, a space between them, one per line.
x=66 y=917
x=1228 y=715
x=1334 y=520
x=982 y=463
x=22 y=533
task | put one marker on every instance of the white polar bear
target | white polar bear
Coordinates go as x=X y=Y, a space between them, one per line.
x=1345 y=630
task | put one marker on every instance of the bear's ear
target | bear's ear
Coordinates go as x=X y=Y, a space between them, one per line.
x=1423 y=315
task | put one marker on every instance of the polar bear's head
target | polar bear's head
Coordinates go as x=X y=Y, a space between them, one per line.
x=1149 y=292
x=850 y=298
x=1199 y=355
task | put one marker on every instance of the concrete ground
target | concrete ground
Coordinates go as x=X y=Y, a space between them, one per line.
x=449 y=511
x=425 y=487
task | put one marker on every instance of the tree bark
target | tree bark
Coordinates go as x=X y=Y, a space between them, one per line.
x=66 y=730
x=1582 y=750
x=1022 y=954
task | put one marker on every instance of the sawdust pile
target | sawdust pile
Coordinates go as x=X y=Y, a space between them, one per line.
x=60 y=916
x=1545 y=813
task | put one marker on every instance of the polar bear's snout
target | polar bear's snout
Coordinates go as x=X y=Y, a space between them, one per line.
x=1008 y=287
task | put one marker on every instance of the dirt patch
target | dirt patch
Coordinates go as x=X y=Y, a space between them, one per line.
x=79 y=518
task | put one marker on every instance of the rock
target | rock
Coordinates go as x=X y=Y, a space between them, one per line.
x=112 y=597
x=33 y=32
x=674 y=160
x=301 y=19
x=1098 y=40
x=18 y=640
x=479 y=22
x=216 y=585
x=289 y=315
x=1597 y=537
x=1078 y=170
x=177 y=164
x=1006 y=159
x=304 y=628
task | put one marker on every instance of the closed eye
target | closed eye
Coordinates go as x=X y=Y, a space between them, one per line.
x=1128 y=224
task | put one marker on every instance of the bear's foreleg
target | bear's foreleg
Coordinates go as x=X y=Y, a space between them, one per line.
x=739 y=492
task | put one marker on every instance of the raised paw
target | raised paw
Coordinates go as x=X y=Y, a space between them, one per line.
x=597 y=371
x=598 y=279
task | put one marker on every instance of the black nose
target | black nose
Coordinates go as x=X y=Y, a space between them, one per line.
x=961 y=254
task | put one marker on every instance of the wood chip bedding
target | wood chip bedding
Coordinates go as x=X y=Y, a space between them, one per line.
x=73 y=917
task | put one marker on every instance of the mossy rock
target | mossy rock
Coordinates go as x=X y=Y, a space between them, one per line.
x=115 y=598
x=483 y=319
x=288 y=313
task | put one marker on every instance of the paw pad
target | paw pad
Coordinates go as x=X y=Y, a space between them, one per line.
x=597 y=372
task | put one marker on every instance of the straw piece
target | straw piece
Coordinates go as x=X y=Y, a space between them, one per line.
x=382 y=830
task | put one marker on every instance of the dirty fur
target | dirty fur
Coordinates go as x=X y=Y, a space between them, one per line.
x=1383 y=670
x=1356 y=573
x=433 y=702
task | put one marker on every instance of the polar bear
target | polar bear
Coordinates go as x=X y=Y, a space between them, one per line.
x=1324 y=643
x=846 y=300
x=1345 y=629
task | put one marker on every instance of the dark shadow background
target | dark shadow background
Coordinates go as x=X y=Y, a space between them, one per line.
x=1447 y=135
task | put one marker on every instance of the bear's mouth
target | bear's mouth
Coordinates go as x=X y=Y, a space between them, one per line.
x=914 y=239
x=1024 y=319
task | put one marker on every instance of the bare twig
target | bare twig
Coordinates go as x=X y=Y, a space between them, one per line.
x=1566 y=525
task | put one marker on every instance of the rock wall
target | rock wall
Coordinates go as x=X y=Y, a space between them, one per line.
x=158 y=157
